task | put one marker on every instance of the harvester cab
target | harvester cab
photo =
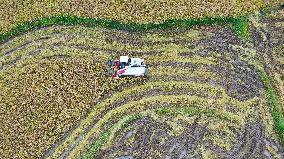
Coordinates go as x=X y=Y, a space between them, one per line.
x=126 y=66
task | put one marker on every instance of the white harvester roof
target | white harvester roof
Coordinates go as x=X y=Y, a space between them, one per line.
x=137 y=61
x=134 y=61
x=123 y=59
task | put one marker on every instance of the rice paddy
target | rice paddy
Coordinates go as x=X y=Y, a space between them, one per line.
x=211 y=92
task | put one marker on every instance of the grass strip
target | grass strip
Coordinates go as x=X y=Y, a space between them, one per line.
x=97 y=146
x=105 y=136
x=241 y=28
x=275 y=104
x=239 y=24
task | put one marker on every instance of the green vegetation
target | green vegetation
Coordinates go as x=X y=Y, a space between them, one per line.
x=239 y=24
x=96 y=146
x=241 y=28
x=276 y=107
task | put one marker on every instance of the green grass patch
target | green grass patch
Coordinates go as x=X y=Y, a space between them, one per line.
x=239 y=24
x=105 y=137
x=97 y=145
x=241 y=28
x=275 y=104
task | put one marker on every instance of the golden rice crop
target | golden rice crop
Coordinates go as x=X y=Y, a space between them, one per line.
x=13 y=11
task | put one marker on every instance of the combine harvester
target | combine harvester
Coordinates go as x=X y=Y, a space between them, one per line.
x=127 y=67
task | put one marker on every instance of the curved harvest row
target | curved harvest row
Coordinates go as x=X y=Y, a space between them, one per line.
x=196 y=78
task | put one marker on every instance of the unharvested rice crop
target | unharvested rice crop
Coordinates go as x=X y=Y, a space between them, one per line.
x=130 y=11
x=212 y=91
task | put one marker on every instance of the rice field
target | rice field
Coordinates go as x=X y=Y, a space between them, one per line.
x=209 y=93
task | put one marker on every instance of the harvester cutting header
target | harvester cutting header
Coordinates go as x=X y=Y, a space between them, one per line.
x=127 y=67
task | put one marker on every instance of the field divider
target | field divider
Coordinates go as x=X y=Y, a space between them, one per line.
x=239 y=24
